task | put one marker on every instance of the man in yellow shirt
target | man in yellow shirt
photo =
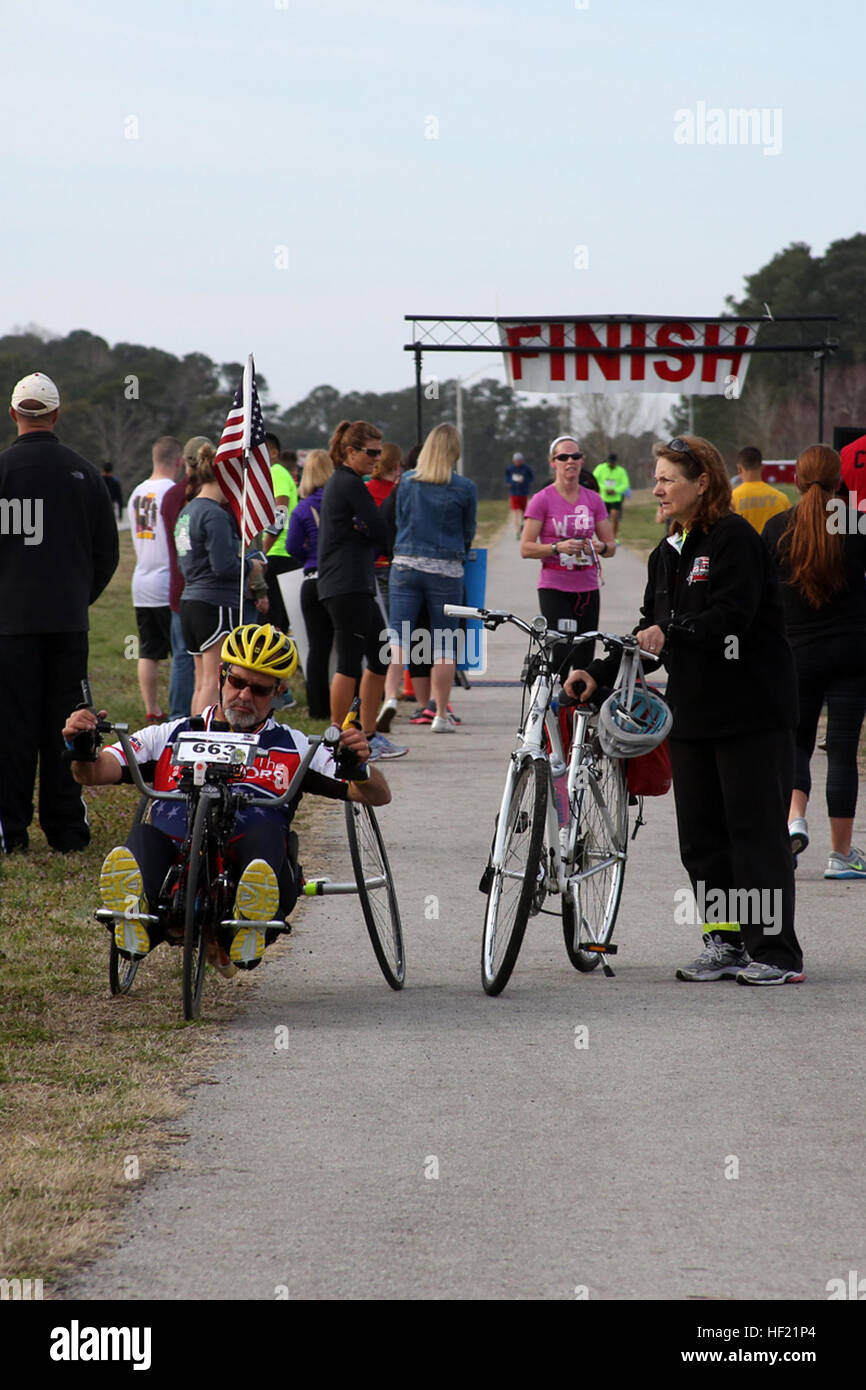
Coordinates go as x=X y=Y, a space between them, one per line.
x=753 y=499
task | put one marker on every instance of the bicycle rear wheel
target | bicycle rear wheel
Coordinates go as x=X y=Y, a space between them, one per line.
x=590 y=906
x=195 y=914
x=376 y=891
x=121 y=970
x=514 y=882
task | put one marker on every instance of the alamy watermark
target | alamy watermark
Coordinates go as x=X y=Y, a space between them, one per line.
x=740 y=125
x=22 y=517
x=757 y=907
x=424 y=646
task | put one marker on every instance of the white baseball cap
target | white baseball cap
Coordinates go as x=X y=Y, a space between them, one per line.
x=35 y=395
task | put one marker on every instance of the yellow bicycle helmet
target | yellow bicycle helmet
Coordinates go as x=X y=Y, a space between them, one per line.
x=264 y=649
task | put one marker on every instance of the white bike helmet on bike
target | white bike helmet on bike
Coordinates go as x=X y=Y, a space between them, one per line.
x=634 y=719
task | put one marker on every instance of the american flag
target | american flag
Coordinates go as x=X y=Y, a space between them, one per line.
x=229 y=465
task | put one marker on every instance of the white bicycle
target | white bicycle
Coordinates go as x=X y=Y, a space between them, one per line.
x=562 y=828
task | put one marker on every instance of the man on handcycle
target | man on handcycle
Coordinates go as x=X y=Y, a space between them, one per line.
x=257 y=663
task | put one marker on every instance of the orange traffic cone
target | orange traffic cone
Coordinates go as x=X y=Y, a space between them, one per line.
x=408 y=692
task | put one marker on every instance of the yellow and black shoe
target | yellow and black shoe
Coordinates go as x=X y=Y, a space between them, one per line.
x=122 y=889
x=258 y=898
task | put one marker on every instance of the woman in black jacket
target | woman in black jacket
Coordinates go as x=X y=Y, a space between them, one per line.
x=351 y=535
x=821 y=558
x=712 y=612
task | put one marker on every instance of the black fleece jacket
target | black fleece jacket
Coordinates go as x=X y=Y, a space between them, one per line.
x=719 y=604
x=58 y=536
x=351 y=535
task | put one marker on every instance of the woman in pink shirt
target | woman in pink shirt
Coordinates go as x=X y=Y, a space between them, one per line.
x=567 y=528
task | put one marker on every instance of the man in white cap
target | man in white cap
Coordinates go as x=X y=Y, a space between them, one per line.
x=58 y=550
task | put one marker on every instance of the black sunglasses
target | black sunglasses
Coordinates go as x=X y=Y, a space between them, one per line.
x=371 y=453
x=255 y=687
x=563 y=458
x=678 y=446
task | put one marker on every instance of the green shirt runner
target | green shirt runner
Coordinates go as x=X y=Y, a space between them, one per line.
x=284 y=486
x=613 y=482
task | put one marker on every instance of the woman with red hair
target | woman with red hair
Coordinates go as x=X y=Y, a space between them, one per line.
x=821 y=558
x=712 y=612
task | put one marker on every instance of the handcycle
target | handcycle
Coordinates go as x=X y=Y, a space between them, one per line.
x=194 y=902
x=562 y=827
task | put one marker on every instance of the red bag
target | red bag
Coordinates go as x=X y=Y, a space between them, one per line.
x=650 y=774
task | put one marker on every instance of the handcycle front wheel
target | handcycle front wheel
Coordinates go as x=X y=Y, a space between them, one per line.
x=194 y=924
x=376 y=891
x=590 y=906
x=513 y=883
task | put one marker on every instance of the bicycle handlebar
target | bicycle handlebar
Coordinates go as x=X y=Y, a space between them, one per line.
x=122 y=730
x=538 y=629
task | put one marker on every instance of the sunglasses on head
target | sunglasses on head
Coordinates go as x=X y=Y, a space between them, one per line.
x=563 y=458
x=255 y=687
x=371 y=453
x=679 y=446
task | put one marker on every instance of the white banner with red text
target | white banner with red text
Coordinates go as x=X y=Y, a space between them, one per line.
x=662 y=360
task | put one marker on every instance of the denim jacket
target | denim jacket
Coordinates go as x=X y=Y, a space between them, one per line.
x=435 y=519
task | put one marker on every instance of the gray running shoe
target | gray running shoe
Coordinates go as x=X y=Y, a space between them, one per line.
x=798 y=831
x=758 y=972
x=720 y=960
x=386 y=716
x=382 y=747
x=850 y=865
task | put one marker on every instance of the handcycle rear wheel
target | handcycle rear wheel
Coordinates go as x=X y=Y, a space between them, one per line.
x=590 y=906
x=121 y=970
x=514 y=883
x=195 y=920
x=378 y=898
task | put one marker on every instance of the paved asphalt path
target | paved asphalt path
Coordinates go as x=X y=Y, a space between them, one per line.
x=560 y=1169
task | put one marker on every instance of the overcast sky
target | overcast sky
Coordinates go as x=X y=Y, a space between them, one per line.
x=303 y=174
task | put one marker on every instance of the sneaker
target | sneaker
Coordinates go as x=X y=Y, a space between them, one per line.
x=386 y=716
x=257 y=898
x=850 y=865
x=443 y=724
x=758 y=972
x=423 y=715
x=218 y=957
x=122 y=889
x=719 y=960
x=798 y=830
x=382 y=747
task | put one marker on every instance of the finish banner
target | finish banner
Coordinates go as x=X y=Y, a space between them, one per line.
x=644 y=355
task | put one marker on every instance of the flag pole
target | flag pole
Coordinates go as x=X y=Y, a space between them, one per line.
x=249 y=375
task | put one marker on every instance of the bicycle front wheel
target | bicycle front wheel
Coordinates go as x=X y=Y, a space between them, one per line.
x=195 y=915
x=376 y=891
x=591 y=904
x=514 y=881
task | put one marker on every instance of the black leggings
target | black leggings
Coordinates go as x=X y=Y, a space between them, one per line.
x=155 y=853
x=361 y=631
x=584 y=607
x=845 y=694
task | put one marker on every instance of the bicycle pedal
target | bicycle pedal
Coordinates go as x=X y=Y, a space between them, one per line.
x=598 y=949
x=486 y=880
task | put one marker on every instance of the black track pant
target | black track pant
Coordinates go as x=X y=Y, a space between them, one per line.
x=732 y=797
x=155 y=853
x=40 y=686
x=320 y=635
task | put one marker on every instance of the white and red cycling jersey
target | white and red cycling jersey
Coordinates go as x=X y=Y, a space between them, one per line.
x=154 y=753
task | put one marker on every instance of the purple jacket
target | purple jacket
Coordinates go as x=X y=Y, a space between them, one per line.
x=302 y=537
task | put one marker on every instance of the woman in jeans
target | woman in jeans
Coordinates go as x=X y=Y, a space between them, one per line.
x=821 y=558
x=436 y=510
x=302 y=547
x=561 y=525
